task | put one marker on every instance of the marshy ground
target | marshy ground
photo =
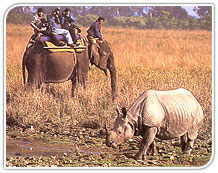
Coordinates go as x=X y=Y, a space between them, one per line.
x=84 y=147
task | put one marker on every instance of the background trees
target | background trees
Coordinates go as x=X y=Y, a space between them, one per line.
x=205 y=14
x=143 y=17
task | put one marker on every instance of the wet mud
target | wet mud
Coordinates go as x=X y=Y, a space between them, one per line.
x=86 y=147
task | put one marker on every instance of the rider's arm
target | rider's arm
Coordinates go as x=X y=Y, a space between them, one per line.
x=72 y=20
x=62 y=20
x=97 y=30
x=33 y=24
x=52 y=22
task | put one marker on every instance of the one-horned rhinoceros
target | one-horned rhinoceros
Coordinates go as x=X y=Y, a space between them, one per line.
x=161 y=114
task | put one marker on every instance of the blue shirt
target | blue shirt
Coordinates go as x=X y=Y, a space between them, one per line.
x=67 y=19
x=95 y=30
x=53 y=23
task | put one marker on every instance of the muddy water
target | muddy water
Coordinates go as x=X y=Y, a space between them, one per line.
x=27 y=147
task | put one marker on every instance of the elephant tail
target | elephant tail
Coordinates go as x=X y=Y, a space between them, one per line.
x=23 y=67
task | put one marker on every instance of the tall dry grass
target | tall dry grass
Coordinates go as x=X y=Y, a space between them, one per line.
x=145 y=59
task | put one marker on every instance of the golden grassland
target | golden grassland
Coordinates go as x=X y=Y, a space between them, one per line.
x=145 y=59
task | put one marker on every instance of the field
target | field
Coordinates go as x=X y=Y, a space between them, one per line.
x=48 y=129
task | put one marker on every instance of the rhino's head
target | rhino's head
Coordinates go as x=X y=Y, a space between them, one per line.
x=121 y=131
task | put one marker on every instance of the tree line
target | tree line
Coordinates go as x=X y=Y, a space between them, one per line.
x=158 y=17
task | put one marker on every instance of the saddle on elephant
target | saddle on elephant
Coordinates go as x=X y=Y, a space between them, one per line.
x=57 y=43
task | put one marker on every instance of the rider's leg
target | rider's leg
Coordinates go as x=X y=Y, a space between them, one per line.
x=66 y=33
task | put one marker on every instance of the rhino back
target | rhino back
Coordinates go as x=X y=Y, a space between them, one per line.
x=182 y=112
x=174 y=112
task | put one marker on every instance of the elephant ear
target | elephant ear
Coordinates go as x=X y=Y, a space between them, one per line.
x=95 y=57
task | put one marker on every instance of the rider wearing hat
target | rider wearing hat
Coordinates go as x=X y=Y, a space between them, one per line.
x=56 y=26
x=56 y=14
x=68 y=23
x=67 y=19
x=40 y=24
x=95 y=29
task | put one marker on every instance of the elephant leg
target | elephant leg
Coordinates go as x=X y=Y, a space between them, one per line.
x=83 y=81
x=147 y=140
x=74 y=83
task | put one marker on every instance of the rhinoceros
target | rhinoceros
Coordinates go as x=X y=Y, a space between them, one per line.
x=161 y=114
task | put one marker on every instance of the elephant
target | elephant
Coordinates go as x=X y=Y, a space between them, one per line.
x=57 y=67
x=54 y=67
x=101 y=55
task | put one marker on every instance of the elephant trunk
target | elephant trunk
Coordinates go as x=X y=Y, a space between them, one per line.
x=113 y=75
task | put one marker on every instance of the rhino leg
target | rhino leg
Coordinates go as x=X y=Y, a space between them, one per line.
x=190 y=145
x=148 y=138
x=191 y=136
x=187 y=148
x=183 y=140
x=152 y=150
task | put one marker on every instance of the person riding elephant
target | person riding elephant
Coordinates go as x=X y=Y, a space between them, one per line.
x=97 y=43
x=40 y=25
x=57 y=14
x=94 y=30
x=56 y=26
x=68 y=23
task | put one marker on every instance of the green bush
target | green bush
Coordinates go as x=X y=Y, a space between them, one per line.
x=19 y=18
x=86 y=20
x=166 y=21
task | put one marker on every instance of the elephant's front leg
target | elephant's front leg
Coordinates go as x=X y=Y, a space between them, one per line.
x=148 y=138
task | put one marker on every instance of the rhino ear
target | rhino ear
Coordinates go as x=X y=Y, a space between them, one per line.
x=118 y=110
x=124 y=112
